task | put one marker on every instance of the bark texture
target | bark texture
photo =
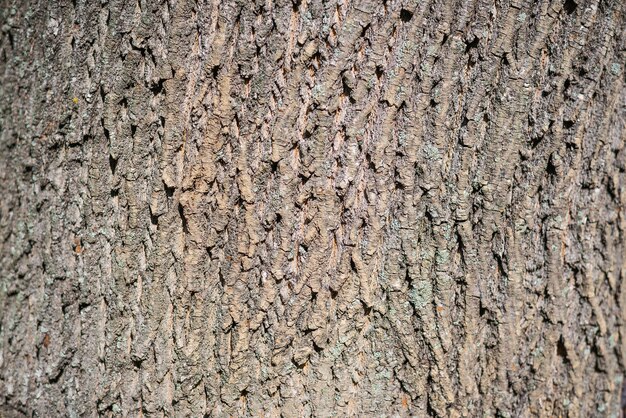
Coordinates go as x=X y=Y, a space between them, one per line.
x=312 y=208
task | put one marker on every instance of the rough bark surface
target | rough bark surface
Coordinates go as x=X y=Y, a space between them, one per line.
x=312 y=208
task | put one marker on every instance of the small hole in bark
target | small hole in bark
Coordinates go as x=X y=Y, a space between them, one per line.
x=65 y=122
x=482 y=310
x=112 y=163
x=551 y=168
x=364 y=31
x=560 y=348
x=366 y=309
x=370 y=163
x=566 y=86
x=215 y=70
x=445 y=38
x=472 y=44
x=570 y=6
x=346 y=89
x=115 y=192
x=137 y=362
x=157 y=88
x=274 y=166
x=405 y=15
x=568 y=124
x=169 y=191
x=183 y=218
x=304 y=179
x=379 y=72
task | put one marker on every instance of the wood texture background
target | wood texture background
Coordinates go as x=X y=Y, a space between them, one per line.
x=313 y=208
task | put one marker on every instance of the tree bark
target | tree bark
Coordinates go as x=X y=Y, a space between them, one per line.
x=312 y=208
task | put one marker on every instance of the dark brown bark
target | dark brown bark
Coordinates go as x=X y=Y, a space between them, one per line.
x=313 y=208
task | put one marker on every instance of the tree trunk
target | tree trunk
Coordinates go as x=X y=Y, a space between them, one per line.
x=313 y=208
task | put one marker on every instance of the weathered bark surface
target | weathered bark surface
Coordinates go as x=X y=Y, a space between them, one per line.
x=327 y=208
